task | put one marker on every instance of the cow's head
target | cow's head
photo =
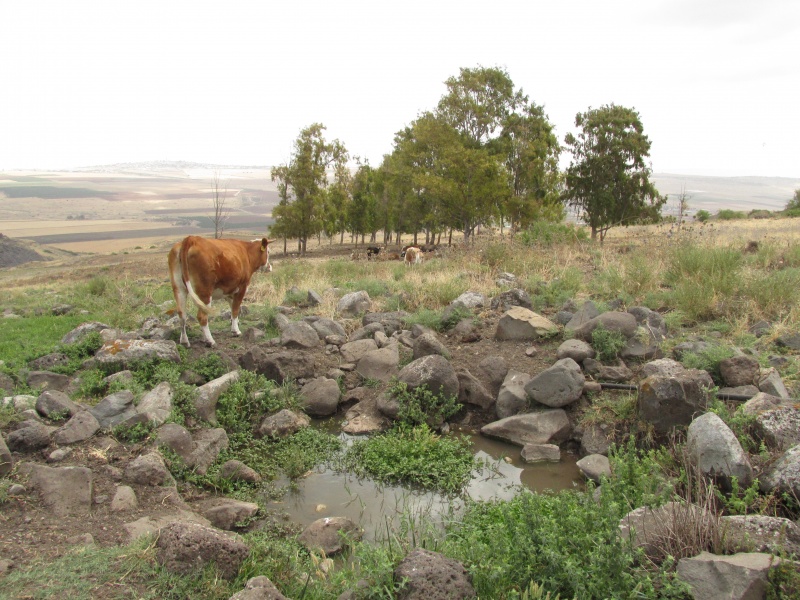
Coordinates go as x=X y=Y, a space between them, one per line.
x=266 y=266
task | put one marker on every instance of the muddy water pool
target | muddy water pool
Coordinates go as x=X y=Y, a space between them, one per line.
x=376 y=507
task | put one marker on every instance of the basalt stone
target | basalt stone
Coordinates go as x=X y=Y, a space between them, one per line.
x=432 y=576
x=557 y=386
x=187 y=548
x=283 y=423
x=543 y=427
x=45 y=380
x=279 y=366
x=53 y=404
x=670 y=401
x=330 y=535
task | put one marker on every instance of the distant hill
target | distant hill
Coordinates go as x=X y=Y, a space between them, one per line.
x=736 y=193
x=160 y=165
x=16 y=252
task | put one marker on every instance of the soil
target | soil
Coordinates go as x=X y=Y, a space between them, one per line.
x=30 y=531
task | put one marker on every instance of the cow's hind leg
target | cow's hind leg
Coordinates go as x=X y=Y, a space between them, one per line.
x=236 y=304
x=180 y=294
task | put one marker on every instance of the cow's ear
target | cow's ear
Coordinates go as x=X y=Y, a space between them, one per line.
x=264 y=244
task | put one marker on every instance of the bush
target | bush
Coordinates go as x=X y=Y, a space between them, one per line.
x=708 y=360
x=414 y=456
x=702 y=215
x=607 y=343
x=421 y=405
x=547 y=233
x=727 y=214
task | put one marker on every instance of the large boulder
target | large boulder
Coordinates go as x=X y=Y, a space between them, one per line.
x=148 y=469
x=114 y=409
x=522 y=324
x=586 y=313
x=206 y=446
x=299 y=335
x=320 y=397
x=283 y=424
x=739 y=370
x=510 y=298
x=381 y=364
x=156 y=405
x=279 y=366
x=67 y=491
x=208 y=395
x=471 y=391
x=353 y=351
x=354 y=304
x=577 y=350
x=79 y=428
x=543 y=427
x=54 y=404
x=126 y=352
x=557 y=386
x=784 y=474
x=426 y=344
x=716 y=451
x=433 y=372
x=47 y=380
x=761 y=533
x=432 y=576
x=512 y=398
x=325 y=327
x=187 y=548
x=81 y=330
x=670 y=401
x=30 y=436
x=624 y=323
x=743 y=576
x=330 y=535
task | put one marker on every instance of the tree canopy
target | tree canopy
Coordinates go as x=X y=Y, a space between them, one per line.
x=608 y=180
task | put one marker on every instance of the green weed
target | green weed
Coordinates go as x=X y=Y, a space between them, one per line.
x=607 y=343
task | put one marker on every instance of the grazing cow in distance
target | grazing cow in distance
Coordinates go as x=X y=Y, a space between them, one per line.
x=202 y=269
x=413 y=256
x=373 y=251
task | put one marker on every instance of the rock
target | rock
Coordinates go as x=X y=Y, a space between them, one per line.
x=619 y=373
x=741 y=390
x=208 y=395
x=58 y=455
x=354 y=304
x=79 y=428
x=34 y=436
x=367 y=332
x=586 y=313
x=512 y=398
x=595 y=441
x=56 y=404
x=770 y=382
x=434 y=372
x=364 y=417
x=156 y=404
x=48 y=361
x=283 y=424
x=511 y=298
x=470 y=300
x=739 y=370
x=662 y=366
x=381 y=364
x=544 y=427
x=432 y=576
x=124 y=499
x=207 y=444
x=259 y=588
x=741 y=576
x=354 y=351
x=175 y=437
x=761 y=533
x=684 y=348
x=667 y=402
x=279 y=366
x=784 y=474
x=492 y=372
x=67 y=491
x=644 y=345
x=125 y=352
x=114 y=409
x=186 y=548
x=81 y=330
x=524 y=325
x=651 y=320
x=225 y=513
x=428 y=344
x=779 y=428
x=471 y=391
x=557 y=386
x=577 y=350
x=594 y=467
x=320 y=397
x=329 y=535
x=236 y=470
x=624 y=323
x=299 y=335
x=328 y=327
x=45 y=380
x=148 y=469
x=789 y=340
x=152 y=525
x=6 y=461
x=762 y=402
x=534 y=453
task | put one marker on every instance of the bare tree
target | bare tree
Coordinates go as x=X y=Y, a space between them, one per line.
x=682 y=205
x=219 y=199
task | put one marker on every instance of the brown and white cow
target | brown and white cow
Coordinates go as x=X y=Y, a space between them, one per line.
x=413 y=256
x=202 y=269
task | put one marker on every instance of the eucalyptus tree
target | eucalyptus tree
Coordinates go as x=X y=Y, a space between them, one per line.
x=303 y=182
x=362 y=214
x=608 y=180
x=531 y=151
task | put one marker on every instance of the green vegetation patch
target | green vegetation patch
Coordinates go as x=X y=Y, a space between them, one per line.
x=53 y=192
x=414 y=456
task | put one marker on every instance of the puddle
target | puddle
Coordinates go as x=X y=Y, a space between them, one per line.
x=376 y=508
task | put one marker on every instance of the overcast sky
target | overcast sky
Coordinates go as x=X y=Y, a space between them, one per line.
x=97 y=82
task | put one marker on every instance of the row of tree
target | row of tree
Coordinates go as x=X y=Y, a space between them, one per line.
x=486 y=155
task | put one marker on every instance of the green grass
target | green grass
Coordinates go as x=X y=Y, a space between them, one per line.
x=413 y=456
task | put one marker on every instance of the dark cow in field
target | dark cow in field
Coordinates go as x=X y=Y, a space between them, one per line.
x=373 y=252
x=202 y=269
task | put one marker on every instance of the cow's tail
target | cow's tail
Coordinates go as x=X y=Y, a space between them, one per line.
x=184 y=261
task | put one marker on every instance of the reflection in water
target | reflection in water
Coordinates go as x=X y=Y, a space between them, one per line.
x=377 y=508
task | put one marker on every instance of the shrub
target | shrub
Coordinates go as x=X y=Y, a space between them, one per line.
x=727 y=214
x=708 y=360
x=421 y=405
x=607 y=343
x=547 y=233
x=414 y=456
x=133 y=434
x=702 y=215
